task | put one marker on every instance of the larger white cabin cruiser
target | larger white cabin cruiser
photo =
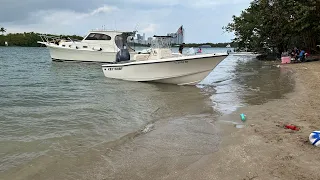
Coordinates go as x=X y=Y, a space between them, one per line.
x=159 y=64
x=96 y=46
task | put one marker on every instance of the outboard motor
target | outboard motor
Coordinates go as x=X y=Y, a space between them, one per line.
x=123 y=55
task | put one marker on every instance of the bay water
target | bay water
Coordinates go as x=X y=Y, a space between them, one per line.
x=62 y=120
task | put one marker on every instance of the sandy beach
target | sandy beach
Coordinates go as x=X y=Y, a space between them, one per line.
x=263 y=149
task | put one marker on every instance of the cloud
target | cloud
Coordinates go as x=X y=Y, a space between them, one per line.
x=202 y=19
x=62 y=21
x=19 y=11
x=72 y=22
x=192 y=4
x=103 y=9
x=157 y=2
x=151 y=28
x=64 y=17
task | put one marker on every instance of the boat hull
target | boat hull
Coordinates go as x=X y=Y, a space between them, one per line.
x=70 y=54
x=182 y=71
x=191 y=79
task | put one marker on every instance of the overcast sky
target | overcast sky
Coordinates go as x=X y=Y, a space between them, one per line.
x=202 y=19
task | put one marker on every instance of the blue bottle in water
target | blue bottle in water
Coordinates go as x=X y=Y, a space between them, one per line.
x=243 y=117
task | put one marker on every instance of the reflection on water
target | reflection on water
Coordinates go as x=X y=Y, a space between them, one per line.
x=68 y=115
x=242 y=80
x=264 y=83
x=65 y=109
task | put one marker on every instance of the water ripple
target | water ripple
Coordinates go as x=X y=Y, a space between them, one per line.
x=56 y=109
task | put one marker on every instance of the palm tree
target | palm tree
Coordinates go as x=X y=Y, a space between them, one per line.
x=3 y=30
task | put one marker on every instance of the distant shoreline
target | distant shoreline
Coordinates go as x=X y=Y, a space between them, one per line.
x=29 y=39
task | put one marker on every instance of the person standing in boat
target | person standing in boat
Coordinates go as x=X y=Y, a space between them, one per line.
x=181 y=48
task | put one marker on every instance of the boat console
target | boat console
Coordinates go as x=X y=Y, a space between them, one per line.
x=160 y=49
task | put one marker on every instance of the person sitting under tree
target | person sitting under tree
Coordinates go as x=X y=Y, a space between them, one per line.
x=301 y=56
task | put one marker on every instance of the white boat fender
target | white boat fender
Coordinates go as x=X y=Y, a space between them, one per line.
x=97 y=48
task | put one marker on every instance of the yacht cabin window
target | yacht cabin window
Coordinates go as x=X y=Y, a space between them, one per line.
x=98 y=36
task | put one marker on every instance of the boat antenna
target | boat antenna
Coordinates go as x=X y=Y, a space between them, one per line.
x=71 y=40
x=136 y=28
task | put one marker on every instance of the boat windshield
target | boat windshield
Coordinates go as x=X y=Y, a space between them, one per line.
x=161 y=42
x=124 y=40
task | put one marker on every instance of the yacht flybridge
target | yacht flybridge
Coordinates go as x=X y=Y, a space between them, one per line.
x=96 y=46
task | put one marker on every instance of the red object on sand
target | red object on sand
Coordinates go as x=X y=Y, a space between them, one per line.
x=292 y=127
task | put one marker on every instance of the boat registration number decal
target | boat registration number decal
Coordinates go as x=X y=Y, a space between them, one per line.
x=114 y=68
x=180 y=62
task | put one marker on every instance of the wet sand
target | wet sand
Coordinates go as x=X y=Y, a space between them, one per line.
x=263 y=149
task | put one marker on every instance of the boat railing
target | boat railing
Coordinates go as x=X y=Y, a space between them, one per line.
x=48 y=38
x=53 y=39
x=161 y=42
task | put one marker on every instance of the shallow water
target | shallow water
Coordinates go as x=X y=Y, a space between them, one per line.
x=67 y=120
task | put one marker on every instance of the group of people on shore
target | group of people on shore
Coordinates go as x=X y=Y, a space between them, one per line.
x=298 y=54
x=182 y=46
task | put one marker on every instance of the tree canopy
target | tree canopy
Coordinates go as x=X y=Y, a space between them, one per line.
x=3 y=30
x=27 y=39
x=279 y=24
